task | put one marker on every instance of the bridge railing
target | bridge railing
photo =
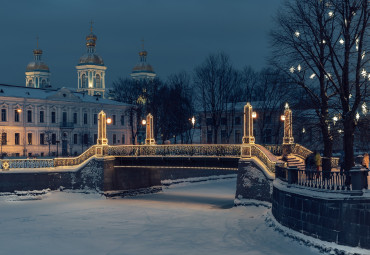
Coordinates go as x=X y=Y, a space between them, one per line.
x=5 y=164
x=269 y=160
x=301 y=151
x=75 y=160
x=221 y=150
x=275 y=149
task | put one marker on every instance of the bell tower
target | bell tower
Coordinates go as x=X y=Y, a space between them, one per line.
x=91 y=69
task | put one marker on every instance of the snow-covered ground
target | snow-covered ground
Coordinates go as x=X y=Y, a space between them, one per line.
x=186 y=218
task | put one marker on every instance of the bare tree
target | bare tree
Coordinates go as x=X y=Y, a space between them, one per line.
x=131 y=92
x=249 y=82
x=348 y=43
x=216 y=82
x=271 y=93
x=177 y=107
x=301 y=51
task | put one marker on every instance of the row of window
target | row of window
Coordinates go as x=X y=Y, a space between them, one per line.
x=53 y=117
x=52 y=139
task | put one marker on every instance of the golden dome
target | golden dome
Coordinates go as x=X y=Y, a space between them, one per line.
x=37 y=52
x=143 y=53
x=91 y=40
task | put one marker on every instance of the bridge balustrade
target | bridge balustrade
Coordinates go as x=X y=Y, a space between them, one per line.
x=222 y=150
x=75 y=160
x=5 y=164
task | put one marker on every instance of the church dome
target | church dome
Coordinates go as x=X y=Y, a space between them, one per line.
x=143 y=67
x=37 y=64
x=91 y=58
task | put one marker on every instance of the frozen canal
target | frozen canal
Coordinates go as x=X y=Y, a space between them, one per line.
x=196 y=218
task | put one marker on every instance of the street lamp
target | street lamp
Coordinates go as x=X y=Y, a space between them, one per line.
x=109 y=120
x=143 y=122
x=193 y=121
x=254 y=115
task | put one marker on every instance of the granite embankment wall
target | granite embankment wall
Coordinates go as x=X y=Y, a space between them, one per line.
x=329 y=216
x=115 y=173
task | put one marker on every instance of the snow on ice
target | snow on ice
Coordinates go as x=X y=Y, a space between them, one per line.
x=191 y=217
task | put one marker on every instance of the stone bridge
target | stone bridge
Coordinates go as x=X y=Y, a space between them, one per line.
x=107 y=167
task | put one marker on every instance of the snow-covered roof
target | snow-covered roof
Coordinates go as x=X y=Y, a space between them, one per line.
x=61 y=94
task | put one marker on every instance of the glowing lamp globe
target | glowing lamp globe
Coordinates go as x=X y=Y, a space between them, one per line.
x=254 y=115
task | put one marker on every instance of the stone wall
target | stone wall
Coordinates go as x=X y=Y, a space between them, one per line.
x=332 y=217
x=89 y=176
x=253 y=182
x=105 y=174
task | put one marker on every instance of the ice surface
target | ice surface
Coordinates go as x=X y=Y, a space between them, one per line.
x=186 y=218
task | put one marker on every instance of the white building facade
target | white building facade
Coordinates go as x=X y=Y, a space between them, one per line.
x=43 y=122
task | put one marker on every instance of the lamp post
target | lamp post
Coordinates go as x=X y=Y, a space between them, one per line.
x=143 y=124
x=193 y=123
x=288 y=129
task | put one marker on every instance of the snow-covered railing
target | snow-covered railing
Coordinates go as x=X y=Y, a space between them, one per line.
x=217 y=150
x=7 y=164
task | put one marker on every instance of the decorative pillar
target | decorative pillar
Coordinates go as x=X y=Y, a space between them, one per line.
x=288 y=126
x=248 y=138
x=149 y=130
x=102 y=133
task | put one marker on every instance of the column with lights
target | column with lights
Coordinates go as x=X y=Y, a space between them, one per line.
x=102 y=133
x=248 y=138
x=288 y=125
x=149 y=130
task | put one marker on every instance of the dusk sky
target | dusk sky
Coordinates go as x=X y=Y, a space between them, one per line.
x=178 y=35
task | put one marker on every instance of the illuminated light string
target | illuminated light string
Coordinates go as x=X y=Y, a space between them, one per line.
x=364 y=73
x=364 y=108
